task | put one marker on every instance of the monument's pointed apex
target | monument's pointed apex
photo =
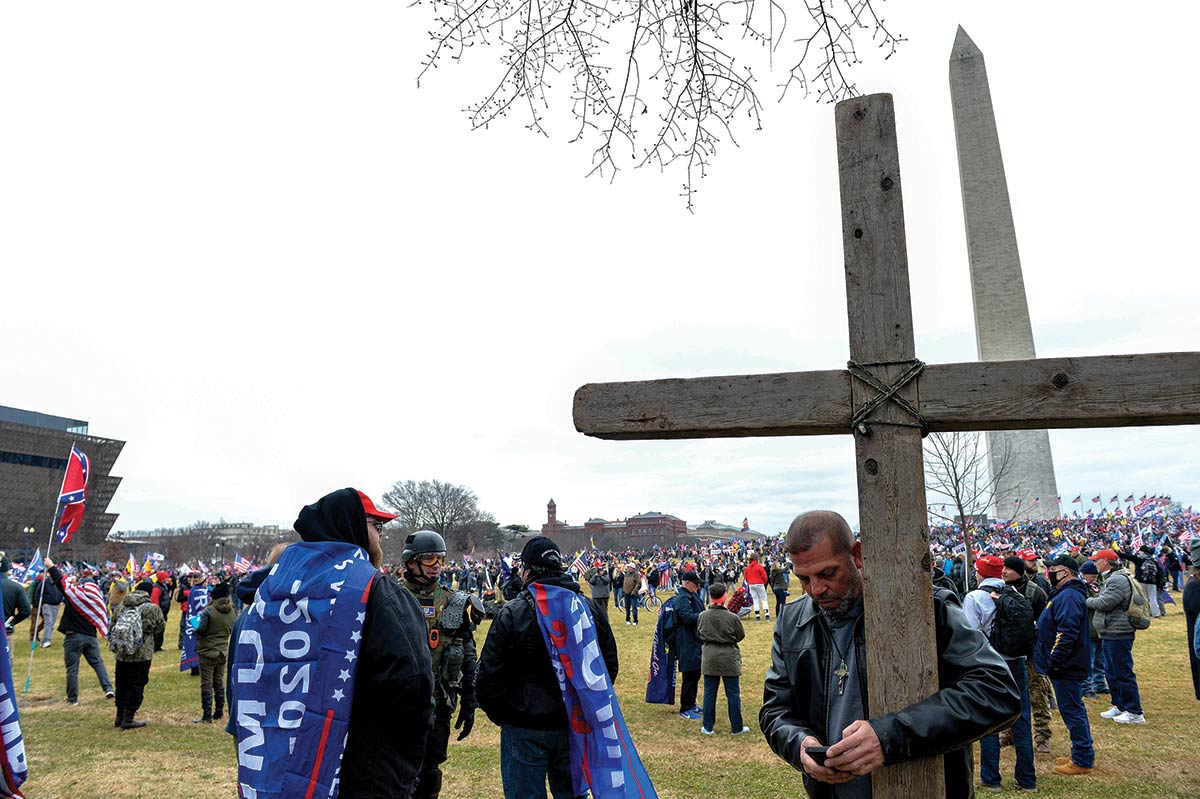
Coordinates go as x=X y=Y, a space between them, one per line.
x=964 y=47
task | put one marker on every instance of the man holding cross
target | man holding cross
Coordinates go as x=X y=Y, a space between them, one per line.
x=816 y=687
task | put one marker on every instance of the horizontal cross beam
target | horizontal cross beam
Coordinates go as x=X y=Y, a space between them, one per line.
x=1100 y=391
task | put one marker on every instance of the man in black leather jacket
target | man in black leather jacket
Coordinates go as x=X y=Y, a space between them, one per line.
x=816 y=686
x=516 y=685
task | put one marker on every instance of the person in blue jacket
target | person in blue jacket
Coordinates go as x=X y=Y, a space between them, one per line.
x=1061 y=654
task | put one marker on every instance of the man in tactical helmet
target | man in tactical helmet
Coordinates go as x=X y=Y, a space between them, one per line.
x=450 y=616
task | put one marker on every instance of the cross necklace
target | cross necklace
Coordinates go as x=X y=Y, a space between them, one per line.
x=841 y=672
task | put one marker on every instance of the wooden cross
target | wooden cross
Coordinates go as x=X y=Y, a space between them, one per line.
x=1111 y=391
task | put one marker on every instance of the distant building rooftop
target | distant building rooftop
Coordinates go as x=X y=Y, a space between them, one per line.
x=44 y=420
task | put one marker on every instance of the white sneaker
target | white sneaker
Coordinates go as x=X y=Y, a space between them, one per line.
x=1111 y=713
x=1130 y=718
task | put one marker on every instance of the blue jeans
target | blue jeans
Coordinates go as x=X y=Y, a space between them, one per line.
x=1074 y=715
x=1122 y=682
x=1022 y=734
x=733 y=697
x=529 y=757
x=1095 y=682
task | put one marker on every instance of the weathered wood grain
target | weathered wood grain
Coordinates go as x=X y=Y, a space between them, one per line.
x=901 y=653
x=1096 y=391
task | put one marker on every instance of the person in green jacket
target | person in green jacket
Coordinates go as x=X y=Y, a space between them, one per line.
x=212 y=645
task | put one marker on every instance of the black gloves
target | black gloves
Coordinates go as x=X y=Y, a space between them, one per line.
x=466 y=718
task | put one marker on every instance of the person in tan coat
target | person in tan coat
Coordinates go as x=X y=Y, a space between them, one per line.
x=720 y=630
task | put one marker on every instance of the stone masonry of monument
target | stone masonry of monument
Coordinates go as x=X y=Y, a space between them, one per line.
x=1002 y=328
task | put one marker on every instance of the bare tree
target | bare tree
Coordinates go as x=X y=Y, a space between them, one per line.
x=449 y=509
x=957 y=470
x=657 y=82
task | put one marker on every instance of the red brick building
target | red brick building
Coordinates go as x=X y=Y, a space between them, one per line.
x=643 y=529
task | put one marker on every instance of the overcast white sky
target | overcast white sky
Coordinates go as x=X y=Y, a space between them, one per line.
x=237 y=236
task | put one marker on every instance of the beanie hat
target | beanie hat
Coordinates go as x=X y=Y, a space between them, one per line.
x=989 y=566
x=1015 y=563
x=540 y=554
x=1087 y=567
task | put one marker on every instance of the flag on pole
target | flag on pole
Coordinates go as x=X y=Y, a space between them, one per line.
x=36 y=565
x=71 y=497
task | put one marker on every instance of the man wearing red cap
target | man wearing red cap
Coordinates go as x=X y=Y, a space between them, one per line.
x=332 y=682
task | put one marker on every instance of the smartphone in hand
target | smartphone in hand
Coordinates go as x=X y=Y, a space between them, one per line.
x=817 y=753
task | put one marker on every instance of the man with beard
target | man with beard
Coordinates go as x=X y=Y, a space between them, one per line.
x=331 y=676
x=816 y=687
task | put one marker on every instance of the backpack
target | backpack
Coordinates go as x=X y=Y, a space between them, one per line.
x=1147 y=572
x=1013 y=628
x=1139 y=606
x=125 y=637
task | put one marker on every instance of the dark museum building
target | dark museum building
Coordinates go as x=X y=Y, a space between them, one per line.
x=33 y=459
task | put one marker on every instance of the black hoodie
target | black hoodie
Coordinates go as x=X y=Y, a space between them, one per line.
x=393 y=686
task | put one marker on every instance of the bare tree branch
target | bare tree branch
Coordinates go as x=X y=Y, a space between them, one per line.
x=652 y=82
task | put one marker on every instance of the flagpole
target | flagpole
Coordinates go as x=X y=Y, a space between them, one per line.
x=46 y=569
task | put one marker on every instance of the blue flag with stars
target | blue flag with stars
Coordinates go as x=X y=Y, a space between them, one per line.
x=293 y=670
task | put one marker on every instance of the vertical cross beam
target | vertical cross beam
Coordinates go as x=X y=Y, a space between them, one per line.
x=898 y=601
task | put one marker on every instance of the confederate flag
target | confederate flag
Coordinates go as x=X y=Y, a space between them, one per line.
x=71 y=497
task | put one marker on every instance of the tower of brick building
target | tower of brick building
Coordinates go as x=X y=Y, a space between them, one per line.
x=1002 y=328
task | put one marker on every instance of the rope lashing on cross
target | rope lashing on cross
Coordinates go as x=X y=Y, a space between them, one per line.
x=861 y=421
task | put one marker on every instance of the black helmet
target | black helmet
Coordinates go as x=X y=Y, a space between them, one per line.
x=421 y=542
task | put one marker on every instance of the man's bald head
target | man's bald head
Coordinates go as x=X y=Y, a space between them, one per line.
x=808 y=529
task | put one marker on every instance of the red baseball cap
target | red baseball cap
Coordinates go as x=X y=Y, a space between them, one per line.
x=1107 y=554
x=1027 y=554
x=373 y=511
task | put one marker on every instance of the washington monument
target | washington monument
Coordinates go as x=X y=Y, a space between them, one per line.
x=1020 y=458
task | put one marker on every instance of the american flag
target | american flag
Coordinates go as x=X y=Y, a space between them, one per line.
x=74 y=487
x=87 y=600
x=242 y=564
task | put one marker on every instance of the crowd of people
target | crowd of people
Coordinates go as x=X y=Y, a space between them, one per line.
x=347 y=676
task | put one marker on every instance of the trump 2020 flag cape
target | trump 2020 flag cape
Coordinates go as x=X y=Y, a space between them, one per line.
x=71 y=497
x=293 y=671
x=660 y=685
x=603 y=757
x=197 y=601
x=13 y=769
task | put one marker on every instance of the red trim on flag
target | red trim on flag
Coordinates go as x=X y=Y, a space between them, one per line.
x=312 y=782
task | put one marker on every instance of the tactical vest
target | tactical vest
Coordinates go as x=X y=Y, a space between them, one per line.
x=446 y=651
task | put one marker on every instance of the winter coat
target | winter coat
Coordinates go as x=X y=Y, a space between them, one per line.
x=16 y=604
x=1112 y=606
x=152 y=624
x=687 y=608
x=601 y=583
x=977 y=694
x=515 y=682
x=632 y=583
x=719 y=631
x=1062 y=648
x=216 y=623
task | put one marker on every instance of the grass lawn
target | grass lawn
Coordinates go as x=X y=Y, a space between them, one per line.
x=75 y=753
